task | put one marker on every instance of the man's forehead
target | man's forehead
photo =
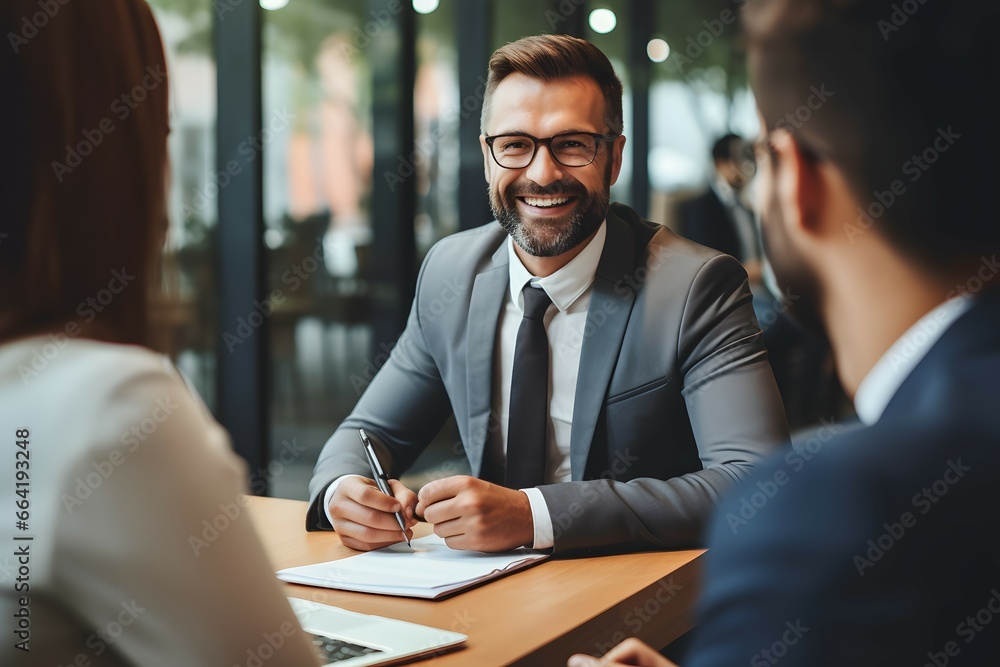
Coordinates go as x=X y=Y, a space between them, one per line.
x=520 y=99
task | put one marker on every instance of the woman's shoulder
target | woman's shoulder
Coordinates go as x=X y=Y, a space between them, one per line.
x=98 y=392
x=119 y=362
x=55 y=359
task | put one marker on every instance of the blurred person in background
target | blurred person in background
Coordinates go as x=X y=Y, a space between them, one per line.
x=878 y=547
x=141 y=552
x=719 y=218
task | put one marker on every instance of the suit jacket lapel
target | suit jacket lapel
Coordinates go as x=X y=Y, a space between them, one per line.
x=484 y=313
x=976 y=328
x=611 y=301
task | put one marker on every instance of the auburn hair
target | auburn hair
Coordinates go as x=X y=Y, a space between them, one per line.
x=83 y=180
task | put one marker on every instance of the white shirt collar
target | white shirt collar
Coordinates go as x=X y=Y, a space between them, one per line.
x=883 y=380
x=567 y=284
x=724 y=191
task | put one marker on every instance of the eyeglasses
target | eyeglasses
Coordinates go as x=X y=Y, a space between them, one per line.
x=570 y=149
x=763 y=150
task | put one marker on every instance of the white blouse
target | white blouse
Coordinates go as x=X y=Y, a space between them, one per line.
x=141 y=551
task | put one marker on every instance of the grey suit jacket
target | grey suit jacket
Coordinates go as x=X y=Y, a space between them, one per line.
x=675 y=399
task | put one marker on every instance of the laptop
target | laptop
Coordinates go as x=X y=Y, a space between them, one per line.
x=349 y=639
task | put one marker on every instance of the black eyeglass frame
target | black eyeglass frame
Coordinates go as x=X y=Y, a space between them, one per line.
x=600 y=138
x=764 y=146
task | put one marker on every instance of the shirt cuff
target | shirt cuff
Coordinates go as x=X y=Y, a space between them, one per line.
x=544 y=538
x=330 y=490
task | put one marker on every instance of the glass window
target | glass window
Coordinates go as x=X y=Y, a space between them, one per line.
x=697 y=94
x=614 y=44
x=186 y=313
x=437 y=112
x=318 y=184
x=318 y=162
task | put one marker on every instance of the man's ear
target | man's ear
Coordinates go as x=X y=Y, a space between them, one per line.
x=486 y=156
x=617 y=148
x=797 y=183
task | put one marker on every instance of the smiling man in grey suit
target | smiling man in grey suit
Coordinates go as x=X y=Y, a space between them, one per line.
x=608 y=378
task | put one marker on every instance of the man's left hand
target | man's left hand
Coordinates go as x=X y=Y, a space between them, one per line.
x=474 y=515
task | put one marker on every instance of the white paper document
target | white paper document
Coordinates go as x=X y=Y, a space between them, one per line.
x=428 y=569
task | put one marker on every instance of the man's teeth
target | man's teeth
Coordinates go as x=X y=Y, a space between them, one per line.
x=545 y=203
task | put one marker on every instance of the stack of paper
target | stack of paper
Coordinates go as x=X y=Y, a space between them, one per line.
x=428 y=569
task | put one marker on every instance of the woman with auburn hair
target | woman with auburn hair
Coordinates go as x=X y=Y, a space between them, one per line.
x=115 y=468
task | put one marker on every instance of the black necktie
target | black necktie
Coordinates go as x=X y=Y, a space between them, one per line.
x=529 y=395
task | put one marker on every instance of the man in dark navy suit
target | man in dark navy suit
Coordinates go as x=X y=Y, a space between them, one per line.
x=876 y=545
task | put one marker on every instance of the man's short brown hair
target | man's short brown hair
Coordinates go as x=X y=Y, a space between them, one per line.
x=552 y=57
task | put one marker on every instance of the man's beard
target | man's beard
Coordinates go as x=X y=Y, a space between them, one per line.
x=798 y=286
x=553 y=236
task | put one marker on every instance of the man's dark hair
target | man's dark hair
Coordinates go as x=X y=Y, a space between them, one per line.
x=723 y=150
x=893 y=93
x=552 y=57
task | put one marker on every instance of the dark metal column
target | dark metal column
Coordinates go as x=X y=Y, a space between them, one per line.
x=472 y=19
x=641 y=21
x=572 y=17
x=242 y=356
x=393 y=270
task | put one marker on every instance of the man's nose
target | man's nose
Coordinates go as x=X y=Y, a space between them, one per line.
x=544 y=169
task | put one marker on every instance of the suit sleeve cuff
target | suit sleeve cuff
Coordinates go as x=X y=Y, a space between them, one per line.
x=541 y=520
x=330 y=490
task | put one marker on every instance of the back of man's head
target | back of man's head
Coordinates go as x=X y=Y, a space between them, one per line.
x=893 y=93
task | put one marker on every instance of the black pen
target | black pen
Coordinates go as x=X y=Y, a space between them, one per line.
x=381 y=478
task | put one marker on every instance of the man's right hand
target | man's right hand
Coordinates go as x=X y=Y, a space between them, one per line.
x=630 y=652
x=364 y=517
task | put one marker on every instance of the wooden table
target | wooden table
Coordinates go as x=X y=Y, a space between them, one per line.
x=539 y=616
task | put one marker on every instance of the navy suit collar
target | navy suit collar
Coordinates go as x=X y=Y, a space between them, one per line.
x=974 y=332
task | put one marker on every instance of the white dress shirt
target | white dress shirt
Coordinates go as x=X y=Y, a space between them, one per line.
x=743 y=220
x=569 y=288
x=880 y=384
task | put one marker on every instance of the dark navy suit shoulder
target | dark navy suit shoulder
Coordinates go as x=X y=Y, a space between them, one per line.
x=871 y=545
